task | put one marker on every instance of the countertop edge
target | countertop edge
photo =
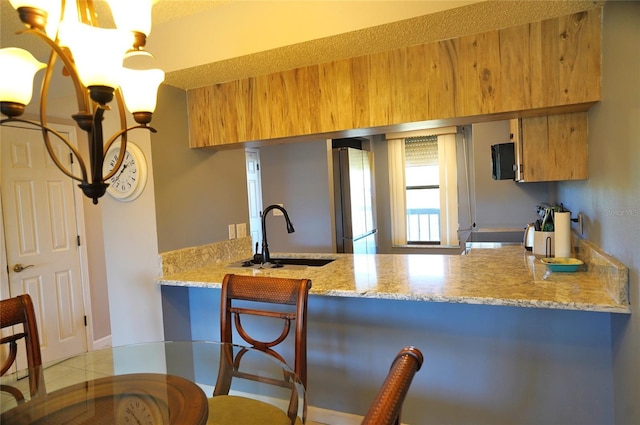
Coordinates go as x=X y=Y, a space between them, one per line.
x=367 y=276
x=524 y=303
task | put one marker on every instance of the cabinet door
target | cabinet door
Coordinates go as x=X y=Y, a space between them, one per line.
x=553 y=148
x=568 y=147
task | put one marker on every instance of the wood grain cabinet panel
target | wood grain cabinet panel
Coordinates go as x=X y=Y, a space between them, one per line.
x=551 y=148
x=541 y=68
x=199 y=109
x=478 y=69
x=571 y=51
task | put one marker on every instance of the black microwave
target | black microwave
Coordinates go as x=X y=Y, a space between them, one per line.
x=503 y=161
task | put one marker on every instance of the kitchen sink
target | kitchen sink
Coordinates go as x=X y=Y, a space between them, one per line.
x=287 y=262
x=310 y=262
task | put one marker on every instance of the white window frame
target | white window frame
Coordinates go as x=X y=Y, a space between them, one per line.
x=447 y=159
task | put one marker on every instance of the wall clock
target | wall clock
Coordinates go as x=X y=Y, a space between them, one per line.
x=128 y=183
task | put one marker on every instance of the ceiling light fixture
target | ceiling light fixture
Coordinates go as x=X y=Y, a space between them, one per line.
x=98 y=61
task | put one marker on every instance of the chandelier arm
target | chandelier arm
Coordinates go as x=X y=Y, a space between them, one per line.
x=123 y=146
x=122 y=133
x=45 y=132
x=86 y=12
x=122 y=112
x=82 y=96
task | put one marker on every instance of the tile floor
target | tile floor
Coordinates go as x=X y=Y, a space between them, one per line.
x=62 y=374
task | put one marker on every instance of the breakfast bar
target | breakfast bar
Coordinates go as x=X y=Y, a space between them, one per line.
x=494 y=308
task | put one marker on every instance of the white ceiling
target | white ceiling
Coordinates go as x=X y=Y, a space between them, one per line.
x=202 y=42
x=238 y=28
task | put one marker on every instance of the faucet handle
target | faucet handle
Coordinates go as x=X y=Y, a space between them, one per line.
x=257 y=258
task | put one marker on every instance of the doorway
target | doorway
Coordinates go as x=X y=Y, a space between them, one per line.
x=254 y=189
x=42 y=221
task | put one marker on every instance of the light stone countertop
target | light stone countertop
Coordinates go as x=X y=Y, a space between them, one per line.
x=492 y=274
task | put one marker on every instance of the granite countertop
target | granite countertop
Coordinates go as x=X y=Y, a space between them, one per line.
x=493 y=274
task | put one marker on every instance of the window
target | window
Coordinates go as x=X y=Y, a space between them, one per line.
x=422 y=190
x=423 y=182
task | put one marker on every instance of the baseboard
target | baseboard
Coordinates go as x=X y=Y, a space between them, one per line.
x=102 y=343
x=318 y=415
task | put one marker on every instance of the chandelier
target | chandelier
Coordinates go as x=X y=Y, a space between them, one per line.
x=99 y=63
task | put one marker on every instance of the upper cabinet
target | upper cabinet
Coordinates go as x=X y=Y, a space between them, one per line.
x=550 y=148
x=540 y=68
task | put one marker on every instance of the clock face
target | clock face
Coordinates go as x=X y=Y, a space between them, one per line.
x=138 y=409
x=129 y=181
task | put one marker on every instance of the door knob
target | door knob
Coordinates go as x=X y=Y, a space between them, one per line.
x=19 y=267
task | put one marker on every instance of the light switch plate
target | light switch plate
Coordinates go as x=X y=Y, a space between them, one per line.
x=232 y=231
x=277 y=211
x=241 y=230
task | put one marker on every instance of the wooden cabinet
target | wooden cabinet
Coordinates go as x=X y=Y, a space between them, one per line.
x=547 y=67
x=551 y=147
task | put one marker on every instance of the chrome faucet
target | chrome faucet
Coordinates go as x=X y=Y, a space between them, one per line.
x=266 y=258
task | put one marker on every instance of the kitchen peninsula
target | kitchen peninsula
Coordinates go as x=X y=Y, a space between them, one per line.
x=465 y=312
x=486 y=273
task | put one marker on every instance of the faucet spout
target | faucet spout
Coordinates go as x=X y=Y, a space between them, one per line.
x=266 y=257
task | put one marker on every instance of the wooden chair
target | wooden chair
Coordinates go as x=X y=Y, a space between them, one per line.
x=16 y=311
x=387 y=405
x=272 y=299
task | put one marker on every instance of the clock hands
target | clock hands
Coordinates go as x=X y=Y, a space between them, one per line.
x=117 y=176
x=124 y=166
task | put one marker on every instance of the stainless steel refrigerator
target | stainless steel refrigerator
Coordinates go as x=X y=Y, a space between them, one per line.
x=354 y=194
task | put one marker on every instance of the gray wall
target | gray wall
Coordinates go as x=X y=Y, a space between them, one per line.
x=296 y=175
x=501 y=203
x=610 y=199
x=199 y=192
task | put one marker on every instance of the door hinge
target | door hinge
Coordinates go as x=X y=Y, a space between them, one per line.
x=85 y=321
x=78 y=239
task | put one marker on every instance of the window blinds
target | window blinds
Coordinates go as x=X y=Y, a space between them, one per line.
x=421 y=150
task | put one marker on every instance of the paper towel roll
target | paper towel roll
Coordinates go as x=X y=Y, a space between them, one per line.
x=562 y=223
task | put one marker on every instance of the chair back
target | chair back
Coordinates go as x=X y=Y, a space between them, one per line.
x=387 y=405
x=270 y=292
x=16 y=311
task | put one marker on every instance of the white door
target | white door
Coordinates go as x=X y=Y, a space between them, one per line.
x=41 y=235
x=254 y=189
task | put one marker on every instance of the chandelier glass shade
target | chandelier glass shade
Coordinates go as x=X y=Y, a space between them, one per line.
x=96 y=61
x=18 y=69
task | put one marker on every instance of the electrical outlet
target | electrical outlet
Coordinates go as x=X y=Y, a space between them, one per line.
x=241 y=230
x=581 y=223
x=277 y=211
x=232 y=231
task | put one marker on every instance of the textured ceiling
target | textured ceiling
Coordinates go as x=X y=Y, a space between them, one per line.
x=170 y=10
x=470 y=19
